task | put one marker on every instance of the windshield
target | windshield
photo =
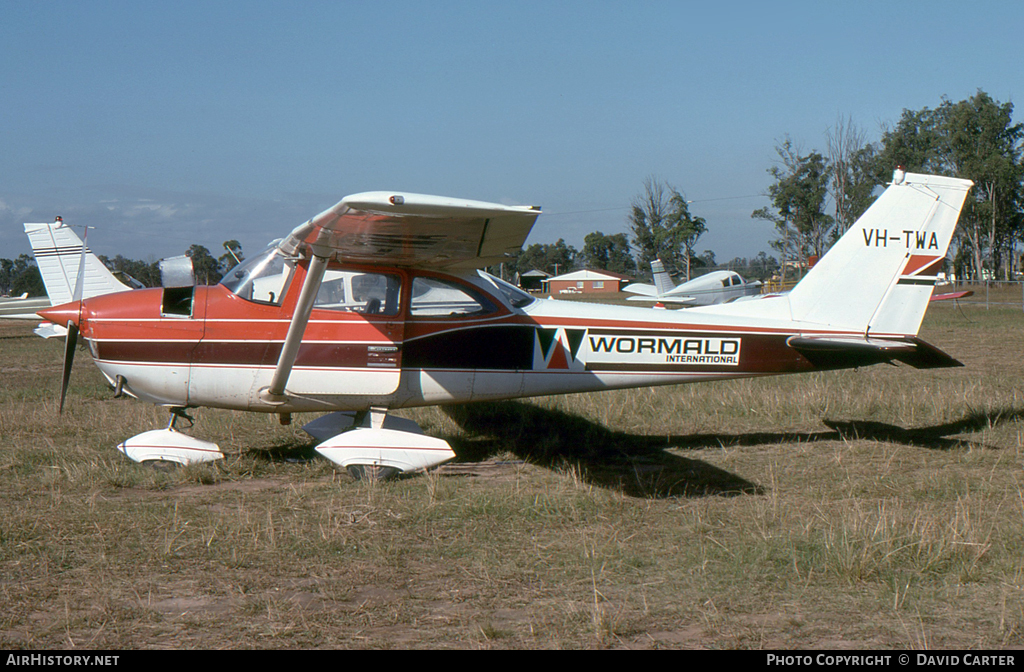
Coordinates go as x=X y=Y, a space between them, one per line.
x=263 y=279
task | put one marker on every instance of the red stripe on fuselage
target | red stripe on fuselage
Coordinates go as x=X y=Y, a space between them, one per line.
x=129 y=328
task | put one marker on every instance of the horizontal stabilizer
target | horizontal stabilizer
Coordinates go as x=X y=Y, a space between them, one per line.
x=839 y=352
x=644 y=290
x=47 y=330
x=666 y=299
x=952 y=296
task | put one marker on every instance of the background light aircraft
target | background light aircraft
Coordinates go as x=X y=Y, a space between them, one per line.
x=59 y=254
x=22 y=307
x=708 y=289
x=375 y=304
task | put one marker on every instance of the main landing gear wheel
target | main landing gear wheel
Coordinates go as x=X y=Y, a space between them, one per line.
x=383 y=447
x=372 y=472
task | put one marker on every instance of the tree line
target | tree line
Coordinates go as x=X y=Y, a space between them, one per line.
x=20 y=276
x=661 y=226
x=814 y=197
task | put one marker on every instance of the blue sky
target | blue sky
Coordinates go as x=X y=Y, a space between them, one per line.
x=164 y=124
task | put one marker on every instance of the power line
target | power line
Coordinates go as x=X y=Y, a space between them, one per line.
x=699 y=200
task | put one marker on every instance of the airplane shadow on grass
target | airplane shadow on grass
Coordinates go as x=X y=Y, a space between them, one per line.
x=636 y=465
x=928 y=437
x=639 y=465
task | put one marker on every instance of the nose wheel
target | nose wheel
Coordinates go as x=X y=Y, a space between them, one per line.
x=169 y=445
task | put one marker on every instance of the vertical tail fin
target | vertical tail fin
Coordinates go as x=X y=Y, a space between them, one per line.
x=662 y=280
x=878 y=278
x=59 y=254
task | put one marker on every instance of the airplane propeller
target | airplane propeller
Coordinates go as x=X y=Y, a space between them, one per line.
x=71 y=341
x=69 y=314
x=69 y=358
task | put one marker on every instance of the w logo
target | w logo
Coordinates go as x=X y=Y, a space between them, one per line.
x=557 y=349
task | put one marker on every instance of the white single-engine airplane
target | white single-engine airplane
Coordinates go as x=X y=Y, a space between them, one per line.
x=375 y=304
x=705 y=290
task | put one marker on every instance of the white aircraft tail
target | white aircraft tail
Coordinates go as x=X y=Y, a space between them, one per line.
x=662 y=280
x=58 y=253
x=878 y=278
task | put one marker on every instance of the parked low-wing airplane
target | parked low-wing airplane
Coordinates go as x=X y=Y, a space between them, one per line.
x=59 y=254
x=705 y=290
x=22 y=307
x=374 y=305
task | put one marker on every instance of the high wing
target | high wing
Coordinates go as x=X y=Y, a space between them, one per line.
x=403 y=229
x=396 y=229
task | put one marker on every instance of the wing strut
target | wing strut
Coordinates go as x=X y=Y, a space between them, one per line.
x=274 y=394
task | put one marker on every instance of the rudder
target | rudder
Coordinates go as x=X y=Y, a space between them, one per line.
x=878 y=278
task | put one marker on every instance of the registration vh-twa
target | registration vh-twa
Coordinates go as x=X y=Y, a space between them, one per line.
x=378 y=304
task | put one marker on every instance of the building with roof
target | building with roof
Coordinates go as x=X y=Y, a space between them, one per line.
x=586 y=281
x=533 y=281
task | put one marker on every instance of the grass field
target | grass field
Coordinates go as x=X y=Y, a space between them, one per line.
x=875 y=508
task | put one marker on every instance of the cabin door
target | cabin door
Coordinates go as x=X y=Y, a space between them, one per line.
x=353 y=341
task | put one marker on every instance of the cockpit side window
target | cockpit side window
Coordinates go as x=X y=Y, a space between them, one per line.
x=433 y=297
x=359 y=292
